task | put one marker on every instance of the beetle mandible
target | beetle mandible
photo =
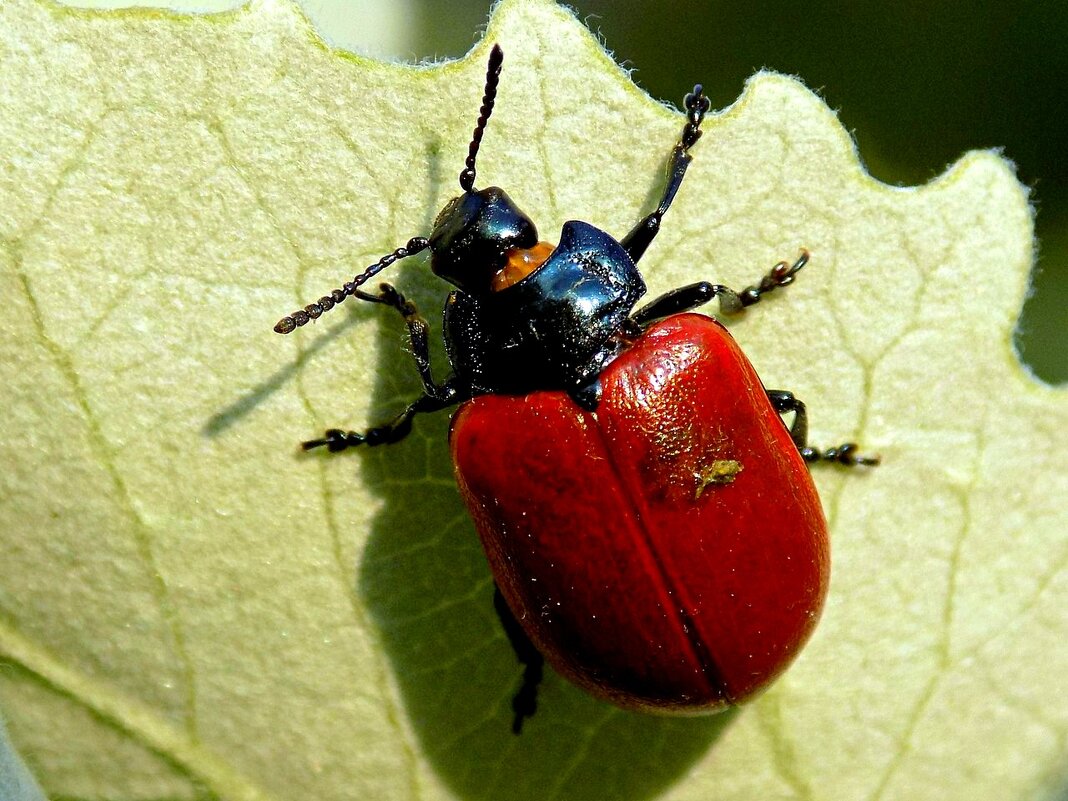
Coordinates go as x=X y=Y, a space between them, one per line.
x=648 y=516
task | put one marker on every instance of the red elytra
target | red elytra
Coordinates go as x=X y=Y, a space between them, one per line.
x=668 y=551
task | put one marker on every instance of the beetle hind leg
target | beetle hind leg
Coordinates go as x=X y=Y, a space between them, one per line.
x=525 y=701
x=845 y=454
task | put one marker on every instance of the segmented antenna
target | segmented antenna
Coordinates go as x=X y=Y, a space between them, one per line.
x=493 y=77
x=314 y=311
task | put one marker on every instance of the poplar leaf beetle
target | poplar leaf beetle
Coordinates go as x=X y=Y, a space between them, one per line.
x=648 y=515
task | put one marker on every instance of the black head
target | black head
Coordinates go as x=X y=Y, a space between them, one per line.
x=472 y=237
x=472 y=234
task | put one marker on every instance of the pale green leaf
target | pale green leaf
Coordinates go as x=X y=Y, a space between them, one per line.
x=188 y=609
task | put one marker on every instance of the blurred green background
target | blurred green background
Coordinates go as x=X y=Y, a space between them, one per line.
x=918 y=83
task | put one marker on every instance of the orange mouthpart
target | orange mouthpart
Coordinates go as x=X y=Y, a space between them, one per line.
x=521 y=263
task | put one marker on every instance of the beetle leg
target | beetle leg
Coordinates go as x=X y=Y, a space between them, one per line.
x=782 y=274
x=685 y=298
x=525 y=701
x=691 y=296
x=642 y=235
x=418 y=331
x=397 y=429
x=845 y=454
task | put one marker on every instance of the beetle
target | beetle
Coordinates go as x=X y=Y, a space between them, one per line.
x=648 y=516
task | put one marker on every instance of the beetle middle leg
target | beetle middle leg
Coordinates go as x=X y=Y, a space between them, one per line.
x=435 y=396
x=525 y=701
x=730 y=302
x=844 y=454
x=336 y=440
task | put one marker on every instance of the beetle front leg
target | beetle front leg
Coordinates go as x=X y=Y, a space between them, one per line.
x=336 y=440
x=435 y=396
x=525 y=701
x=730 y=302
x=641 y=236
x=418 y=331
x=845 y=454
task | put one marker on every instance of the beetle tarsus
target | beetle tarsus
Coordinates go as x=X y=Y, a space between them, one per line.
x=337 y=440
x=782 y=274
x=390 y=296
x=845 y=455
x=696 y=105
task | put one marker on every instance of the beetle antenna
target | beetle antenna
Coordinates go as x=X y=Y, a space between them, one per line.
x=314 y=311
x=493 y=77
